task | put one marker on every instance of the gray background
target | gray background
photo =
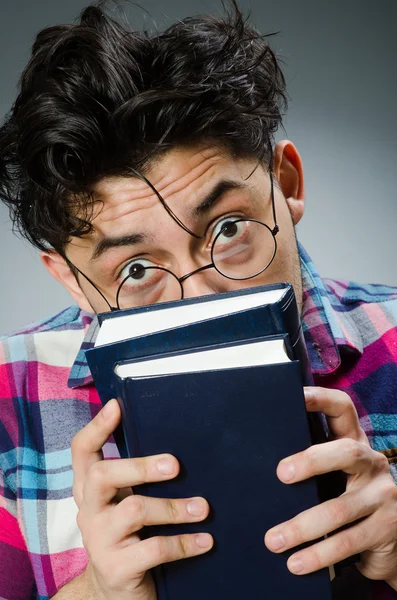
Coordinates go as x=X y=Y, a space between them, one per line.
x=340 y=65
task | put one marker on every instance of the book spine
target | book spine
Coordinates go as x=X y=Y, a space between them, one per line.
x=126 y=435
x=330 y=485
x=129 y=447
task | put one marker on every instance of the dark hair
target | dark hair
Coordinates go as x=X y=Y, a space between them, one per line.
x=98 y=99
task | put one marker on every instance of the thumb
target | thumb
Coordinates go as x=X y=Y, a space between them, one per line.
x=339 y=410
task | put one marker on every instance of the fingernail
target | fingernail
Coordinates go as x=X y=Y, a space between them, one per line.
x=203 y=540
x=108 y=410
x=276 y=541
x=165 y=466
x=286 y=471
x=295 y=565
x=195 y=508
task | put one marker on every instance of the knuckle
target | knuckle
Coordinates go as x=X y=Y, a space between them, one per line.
x=173 y=512
x=135 y=507
x=344 y=546
x=355 y=450
x=183 y=546
x=311 y=457
x=159 y=549
x=387 y=490
x=293 y=533
x=360 y=540
x=98 y=472
x=164 y=549
x=337 y=512
x=313 y=559
x=141 y=467
x=349 y=543
x=381 y=462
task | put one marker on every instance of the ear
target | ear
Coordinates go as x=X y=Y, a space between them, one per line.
x=60 y=270
x=288 y=169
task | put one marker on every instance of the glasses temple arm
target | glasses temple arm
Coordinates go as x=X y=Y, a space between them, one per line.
x=74 y=268
x=165 y=205
x=276 y=228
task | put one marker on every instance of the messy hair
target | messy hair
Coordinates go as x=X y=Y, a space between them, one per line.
x=98 y=99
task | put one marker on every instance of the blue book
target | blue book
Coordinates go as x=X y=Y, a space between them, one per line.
x=218 y=382
x=195 y=322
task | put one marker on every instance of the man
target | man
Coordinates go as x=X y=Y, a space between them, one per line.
x=126 y=152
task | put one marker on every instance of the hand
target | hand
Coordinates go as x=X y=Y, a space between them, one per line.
x=119 y=560
x=370 y=496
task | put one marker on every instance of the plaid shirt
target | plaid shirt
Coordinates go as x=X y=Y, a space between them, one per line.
x=47 y=396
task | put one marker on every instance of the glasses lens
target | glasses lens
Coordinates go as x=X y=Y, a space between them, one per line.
x=148 y=285
x=243 y=249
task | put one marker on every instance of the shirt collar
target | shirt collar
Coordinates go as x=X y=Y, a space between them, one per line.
x=80 y=373
x=328 y=333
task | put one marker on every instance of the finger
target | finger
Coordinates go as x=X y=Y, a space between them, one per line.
x=339 y=409
x=156 y=551
x=106 y=477
x=354 y=458
x=87 y=444
x=322 y=520
x=336 y=548
x=135 y=512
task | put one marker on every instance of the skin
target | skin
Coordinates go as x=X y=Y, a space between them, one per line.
x=184 y=177
x=109 y=517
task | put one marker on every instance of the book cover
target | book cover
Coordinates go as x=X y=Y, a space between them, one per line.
x=229 y=429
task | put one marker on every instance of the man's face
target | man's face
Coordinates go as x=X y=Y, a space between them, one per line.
x=130 y=223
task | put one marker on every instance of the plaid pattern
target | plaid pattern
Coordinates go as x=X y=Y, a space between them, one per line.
x=47 y=395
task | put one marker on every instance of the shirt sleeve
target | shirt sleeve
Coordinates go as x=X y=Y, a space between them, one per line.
x=16 y=574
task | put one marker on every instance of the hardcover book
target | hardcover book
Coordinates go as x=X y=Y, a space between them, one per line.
x=217 y=381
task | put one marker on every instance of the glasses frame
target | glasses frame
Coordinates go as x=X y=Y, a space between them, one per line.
x=274 y=231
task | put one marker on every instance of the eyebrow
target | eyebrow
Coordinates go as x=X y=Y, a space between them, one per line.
x=117 y=242
x=220 y=189
x=216 y=194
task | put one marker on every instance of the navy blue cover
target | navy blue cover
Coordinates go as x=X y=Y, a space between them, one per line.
x=280 y=318
x=228 y=429
x=271 y=319
x=197 y=300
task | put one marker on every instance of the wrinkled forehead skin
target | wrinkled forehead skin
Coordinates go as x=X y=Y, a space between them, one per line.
x=183 y=177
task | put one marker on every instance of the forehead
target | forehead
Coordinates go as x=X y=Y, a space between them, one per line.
x=181 y=177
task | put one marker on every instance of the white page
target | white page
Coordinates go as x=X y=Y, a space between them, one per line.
x=130 y=326
x=244 y=355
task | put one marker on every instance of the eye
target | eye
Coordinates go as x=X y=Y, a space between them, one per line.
x=136 y=271
x=227 y=229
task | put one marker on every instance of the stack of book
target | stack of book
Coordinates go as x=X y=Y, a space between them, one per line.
x=217 y=381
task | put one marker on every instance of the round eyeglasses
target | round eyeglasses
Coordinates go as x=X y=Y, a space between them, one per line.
x=241 y=250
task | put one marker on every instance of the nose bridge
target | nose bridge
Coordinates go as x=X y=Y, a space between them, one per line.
x=199 y=283
x=195 y=271
x=192 y=266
